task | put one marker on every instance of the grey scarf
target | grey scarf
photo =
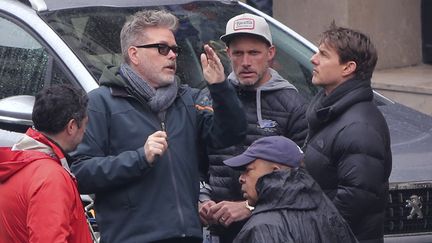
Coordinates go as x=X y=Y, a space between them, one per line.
x=158 y=99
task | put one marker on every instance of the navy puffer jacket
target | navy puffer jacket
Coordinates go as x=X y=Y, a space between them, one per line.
x=348 y=154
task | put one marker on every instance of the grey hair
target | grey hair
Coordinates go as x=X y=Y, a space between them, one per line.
x=135 y=26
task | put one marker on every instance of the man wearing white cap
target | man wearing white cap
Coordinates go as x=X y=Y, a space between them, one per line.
x=273 y=106
x=289 y=204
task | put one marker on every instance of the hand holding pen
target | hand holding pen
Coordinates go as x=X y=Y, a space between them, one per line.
x=156 y=145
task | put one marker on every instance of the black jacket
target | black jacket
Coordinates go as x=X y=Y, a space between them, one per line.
x=275 y=108
x=348 y=154
x=135 y=202
x=291 y=208
x=280 y=109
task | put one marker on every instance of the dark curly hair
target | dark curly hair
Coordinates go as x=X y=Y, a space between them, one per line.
x=352 y=45
x=55 y=106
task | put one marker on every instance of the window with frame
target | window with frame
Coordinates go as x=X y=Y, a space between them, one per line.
x=25 y=65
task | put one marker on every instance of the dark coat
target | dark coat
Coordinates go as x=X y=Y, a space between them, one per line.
x=283 y=110
x=136 y=202
x=348 y=154
x=291 y=208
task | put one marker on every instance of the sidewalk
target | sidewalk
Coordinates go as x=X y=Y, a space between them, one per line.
x=411 y=86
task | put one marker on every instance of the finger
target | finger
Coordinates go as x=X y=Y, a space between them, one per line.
x=228 y=221
x=159 y=143
x=215 y=208
x=204 y=61
x=158 y=134
x=203 y=208
x=157 y=149
x=223 y=221
x=217 y=211
x=209 y=52
x=213 y=59
x=210 y=204
x=158 y=138
x=213 y=56
x=152 y=149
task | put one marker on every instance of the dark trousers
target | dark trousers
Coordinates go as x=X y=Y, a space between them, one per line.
x=227 y=234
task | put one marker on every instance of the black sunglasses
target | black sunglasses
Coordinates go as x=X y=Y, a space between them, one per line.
x=163 y=49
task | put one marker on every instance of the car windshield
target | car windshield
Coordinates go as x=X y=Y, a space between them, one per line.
x=93 y=34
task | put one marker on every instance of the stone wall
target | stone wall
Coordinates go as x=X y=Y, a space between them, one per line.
x=393 y=25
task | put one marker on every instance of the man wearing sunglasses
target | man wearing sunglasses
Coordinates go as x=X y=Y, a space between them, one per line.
x=139 y=155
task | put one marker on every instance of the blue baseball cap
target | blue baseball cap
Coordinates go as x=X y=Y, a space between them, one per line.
x=277 y=149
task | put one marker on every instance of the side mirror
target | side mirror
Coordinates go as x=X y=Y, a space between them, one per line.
x=16 y=113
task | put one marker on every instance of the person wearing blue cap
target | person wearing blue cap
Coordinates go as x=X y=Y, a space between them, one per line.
x=287 y=204
x=273 y=107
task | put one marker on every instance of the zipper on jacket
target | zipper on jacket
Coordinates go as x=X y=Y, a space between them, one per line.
x=163 y=127
x=162 y=116
x=306 y=142
x=173 y=178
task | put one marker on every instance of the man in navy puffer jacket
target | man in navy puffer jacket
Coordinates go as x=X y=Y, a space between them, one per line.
x=348 y=145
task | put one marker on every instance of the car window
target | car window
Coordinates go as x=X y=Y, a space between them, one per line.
x=94 y=35
x=25 y=65
x=292 y=61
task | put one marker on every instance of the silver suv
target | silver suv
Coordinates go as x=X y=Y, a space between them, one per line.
x=45 y=42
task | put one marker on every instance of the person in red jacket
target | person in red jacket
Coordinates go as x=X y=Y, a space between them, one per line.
x=39 y=199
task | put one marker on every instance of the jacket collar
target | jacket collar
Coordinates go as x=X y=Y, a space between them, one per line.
x=112 y=78
x=33 y=146
x=325 y=108
x=276 y=82
x=36 y=141
x=287 y=189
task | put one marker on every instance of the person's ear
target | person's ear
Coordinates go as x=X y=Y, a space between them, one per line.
x=272 y=52
x=133 y=55
x=228 y=51
x=71 y=126
x=349 y=68
x=275 y=167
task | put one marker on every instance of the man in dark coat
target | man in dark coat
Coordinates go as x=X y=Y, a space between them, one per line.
x=273 y=106
x=139 y=155
x=289 y=206
x=348 y=145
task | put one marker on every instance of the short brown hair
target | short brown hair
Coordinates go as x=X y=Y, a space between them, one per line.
x=352 y=45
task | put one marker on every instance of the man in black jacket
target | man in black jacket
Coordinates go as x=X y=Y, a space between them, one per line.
x=289 y=206
x=139 y=155
x=273 y=106
x=348 y=145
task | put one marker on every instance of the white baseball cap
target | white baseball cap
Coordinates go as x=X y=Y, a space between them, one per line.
x=247 y=24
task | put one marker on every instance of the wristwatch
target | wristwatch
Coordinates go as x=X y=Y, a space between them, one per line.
x=248 y=206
